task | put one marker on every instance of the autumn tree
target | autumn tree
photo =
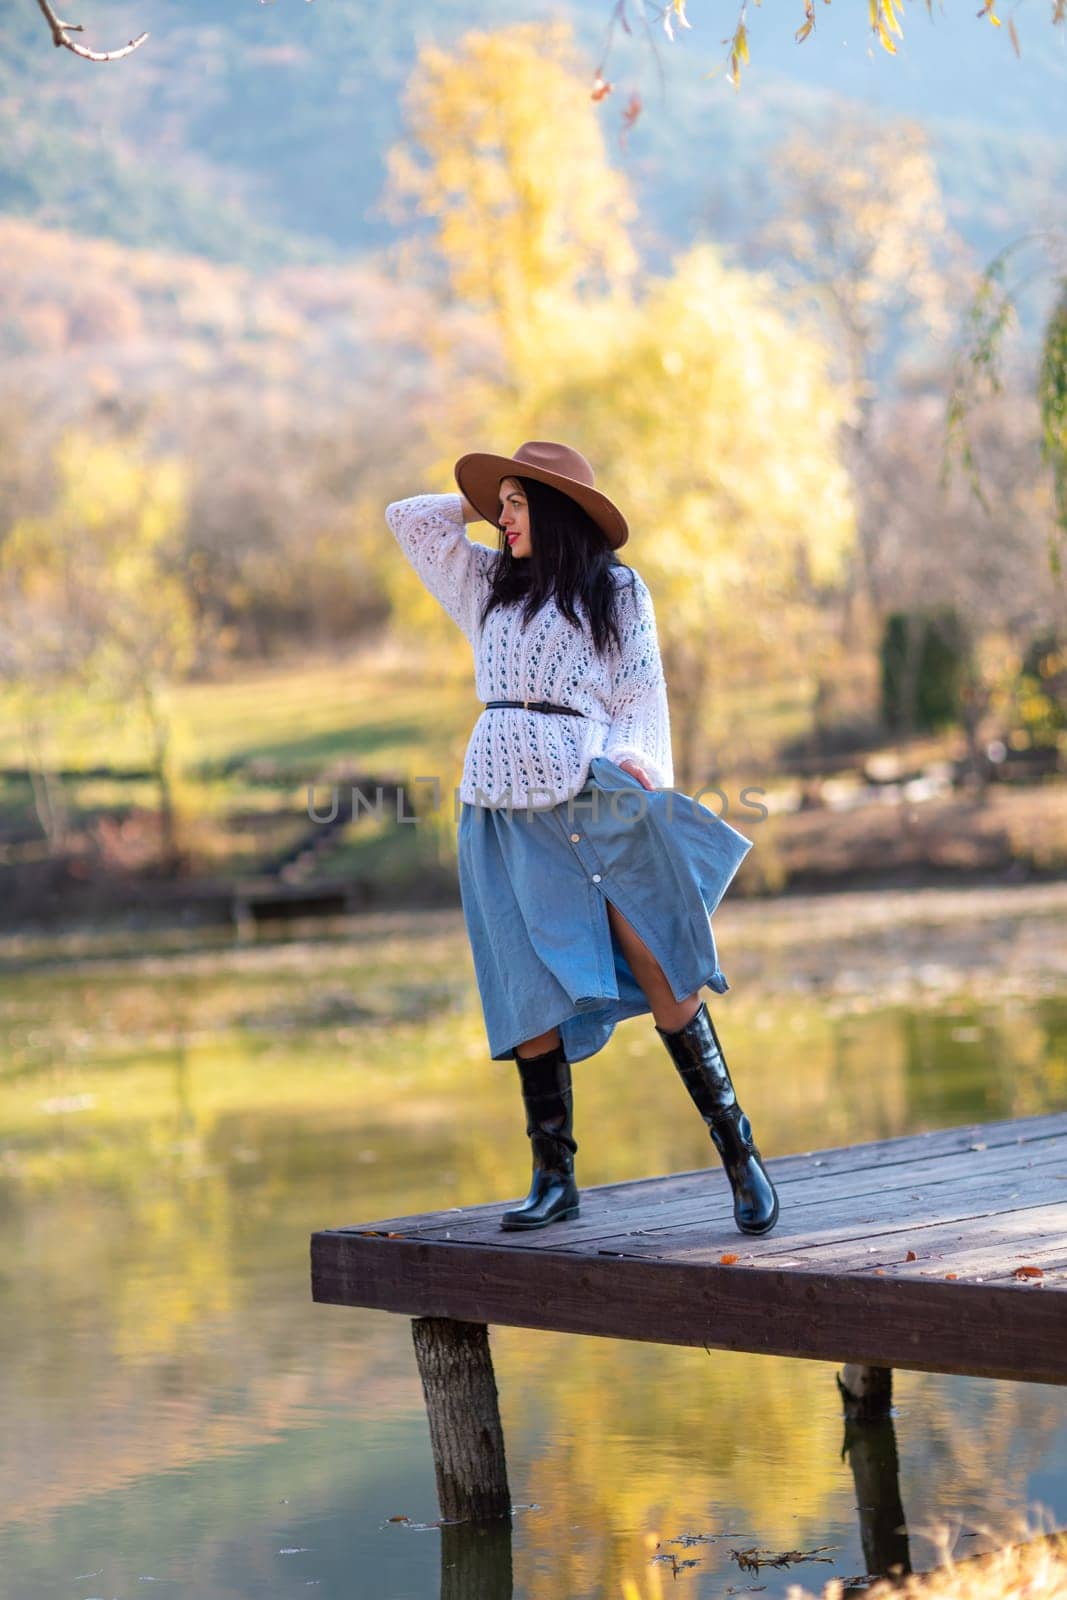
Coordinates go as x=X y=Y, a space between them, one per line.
x=504 y=158
x=711 y=419
x=862 y=237
x=94 y=606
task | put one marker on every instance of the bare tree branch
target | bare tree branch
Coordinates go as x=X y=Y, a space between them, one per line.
x=60 y=30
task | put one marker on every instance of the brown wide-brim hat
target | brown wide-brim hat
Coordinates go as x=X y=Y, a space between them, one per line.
x=479 y=475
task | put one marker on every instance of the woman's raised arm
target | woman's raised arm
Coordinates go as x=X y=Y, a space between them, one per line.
x=429 y=529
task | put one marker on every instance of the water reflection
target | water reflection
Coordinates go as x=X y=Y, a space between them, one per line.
x=177 y=1124
x=870 y=1446
x=476 y=1561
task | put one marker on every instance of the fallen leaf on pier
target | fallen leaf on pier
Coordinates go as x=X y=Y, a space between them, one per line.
x=951 y=1276
x=1028 y=1272
x=911 y=1256
x=727 y=1260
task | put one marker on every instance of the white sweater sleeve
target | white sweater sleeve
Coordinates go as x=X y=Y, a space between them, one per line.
x=640 y=719
x=430 y=530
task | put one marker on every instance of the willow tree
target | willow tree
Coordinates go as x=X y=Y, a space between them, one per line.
x=992 y=315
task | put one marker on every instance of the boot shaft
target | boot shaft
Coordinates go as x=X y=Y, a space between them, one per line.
x=548 y=1096
x=545 y=1081
x=697 y=1053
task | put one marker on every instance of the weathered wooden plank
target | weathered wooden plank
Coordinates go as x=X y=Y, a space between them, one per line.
x=709 y=1207
x=851 y=1198
x=886 y=1156
x=847 y=1217
x=993 y=1243
x=989 y=1244
x=999 y=1331
x=980 y=1265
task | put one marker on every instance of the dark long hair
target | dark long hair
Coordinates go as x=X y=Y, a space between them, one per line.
x=571 y=560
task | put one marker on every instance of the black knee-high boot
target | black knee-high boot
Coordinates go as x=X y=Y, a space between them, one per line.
x=545 y=1081
x=697 y=1054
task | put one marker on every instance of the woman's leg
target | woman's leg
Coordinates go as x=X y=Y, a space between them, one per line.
x=668 y=1012
x=538 y=1046
x=689 y=1034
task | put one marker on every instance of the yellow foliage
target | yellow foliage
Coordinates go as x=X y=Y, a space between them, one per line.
x=97 y=603
x=505 y=154
x=104 y=548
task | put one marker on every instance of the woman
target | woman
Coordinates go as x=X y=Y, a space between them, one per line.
x=587 y=881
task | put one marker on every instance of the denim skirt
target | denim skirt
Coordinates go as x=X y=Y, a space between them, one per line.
x=535 y=886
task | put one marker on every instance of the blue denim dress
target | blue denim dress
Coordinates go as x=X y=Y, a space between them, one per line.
x=535 y=886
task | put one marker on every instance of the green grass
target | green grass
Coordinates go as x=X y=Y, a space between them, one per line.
x=295 y=714
x=247 y=751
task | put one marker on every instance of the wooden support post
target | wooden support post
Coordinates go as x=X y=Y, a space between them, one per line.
x=456 y=1369
x=866 y=1392
x=871 y=1446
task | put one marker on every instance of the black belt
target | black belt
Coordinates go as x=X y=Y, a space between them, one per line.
x=534 y=705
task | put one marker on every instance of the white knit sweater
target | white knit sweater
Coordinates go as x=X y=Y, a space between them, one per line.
x=529 y=758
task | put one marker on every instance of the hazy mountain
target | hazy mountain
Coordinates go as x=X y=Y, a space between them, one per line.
x=256 y=133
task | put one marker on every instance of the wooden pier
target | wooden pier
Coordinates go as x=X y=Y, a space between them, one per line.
x=941 y=1252
x=906 y=1253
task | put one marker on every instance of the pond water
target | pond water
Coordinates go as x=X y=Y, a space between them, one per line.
x=179 y=1112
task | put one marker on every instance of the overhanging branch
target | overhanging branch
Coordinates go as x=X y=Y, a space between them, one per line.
x=60 y=31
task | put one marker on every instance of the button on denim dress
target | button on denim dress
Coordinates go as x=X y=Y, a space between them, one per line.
x=535 y=886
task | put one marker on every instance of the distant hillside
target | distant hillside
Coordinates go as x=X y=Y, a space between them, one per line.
x=255 y=134
x=84 y=320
